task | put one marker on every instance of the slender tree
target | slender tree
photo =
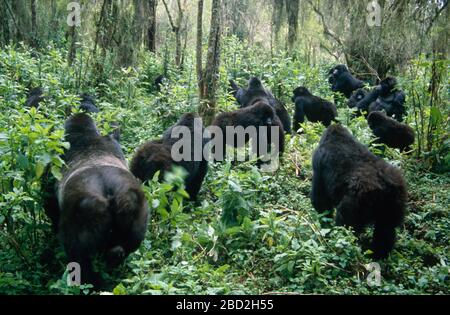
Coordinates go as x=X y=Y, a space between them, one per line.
x=292 y=8
x=210 y=77
x=199 y=49
x=176 y=27
x=33 y=24
x=151 y=29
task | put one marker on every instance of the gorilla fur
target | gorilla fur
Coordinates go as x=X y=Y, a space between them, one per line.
x=159 y=81
x=87 y=104
x=343 y=81
x=356 y=97
x=98 y=207
x=156 y=156
x=34 y=97
x=384 y=97
x=315 y=108
x=256 y=92
x=364 y=188
x=390 y=99
x=390 y=132
x=258 y=115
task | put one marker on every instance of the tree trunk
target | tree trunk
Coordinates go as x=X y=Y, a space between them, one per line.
x=208 y=91
x=292 y=8
x=151 y=31
x=199 y=49
x=72 y=50
x=278 y=6
x=33 y=24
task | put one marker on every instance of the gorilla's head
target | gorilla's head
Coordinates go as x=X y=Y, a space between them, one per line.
x=356 y=97
x=301 y=91
x=255 y=92
x=338 y=70
x=80 y=127
x=264 y=113
x=255 y=84
x=388 y=85
x=376 y=118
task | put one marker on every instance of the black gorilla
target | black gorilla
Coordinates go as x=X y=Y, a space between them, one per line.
x=357 y=96
x=315 y=108
x=256 y=92
x=34 y=97
x=343 y=81
x=364 y=188
x=159 y=81
x=87 y=104
x=260 y=114
x=384 y=97
x=98 y=207
x=390 y=99
x=157 y=156
x=391 y=132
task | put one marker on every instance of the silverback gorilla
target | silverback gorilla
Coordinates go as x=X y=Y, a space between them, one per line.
x=390 y=132
x=364 y=188
x=260 y=114
x=315 y=108
x=99 y=207
x=384 y=97
x=156 y=156
x=343 y=81
x=256 y=92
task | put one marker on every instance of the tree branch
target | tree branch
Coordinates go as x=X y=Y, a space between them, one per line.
x=170 y=16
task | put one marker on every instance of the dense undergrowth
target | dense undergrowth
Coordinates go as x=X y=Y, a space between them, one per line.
x=278 y=242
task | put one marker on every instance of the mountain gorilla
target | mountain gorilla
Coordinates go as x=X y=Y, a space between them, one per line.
x=34 y=97
x=391 y=132
x=315 y=108
x=364 y=188
x=384 y=97
x=157 y=155
x=260 y=114
x=98 y=207
x=390 y=99
x=356 y=97
x=159 y=81
x=343 y=81
x=87 y=104
x=256 y=92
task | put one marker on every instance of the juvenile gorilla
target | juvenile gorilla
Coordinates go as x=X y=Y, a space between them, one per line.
x=364 y=188
x=391 y=132
x=34 y=97
x=157 y=156
x=343 y=81
x=87 y=104
x=260 y=114
x=256 y=92
x=98 y=206
x=357 y=96
x=315 y=108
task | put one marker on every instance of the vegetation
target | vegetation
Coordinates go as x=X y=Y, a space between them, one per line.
x=252 y=232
